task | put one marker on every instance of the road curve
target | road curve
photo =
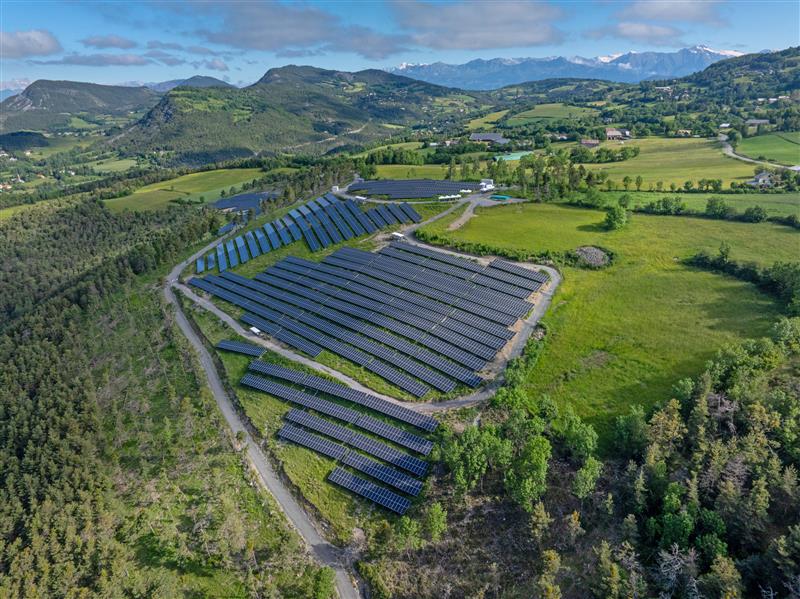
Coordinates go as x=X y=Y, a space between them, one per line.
x=728 y=150
x=324 y=552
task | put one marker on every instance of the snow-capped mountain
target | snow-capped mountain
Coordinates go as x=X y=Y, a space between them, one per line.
x=629 y=67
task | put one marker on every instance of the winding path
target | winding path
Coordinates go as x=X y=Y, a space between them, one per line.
x=326 y=553
x=728 y=150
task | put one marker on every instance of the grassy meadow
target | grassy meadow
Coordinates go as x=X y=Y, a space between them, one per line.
x=551 y=111
x=783 y=147
x=486 y=122
x=776 y=204
x=208 y=184
x=411 y=171
x=624 y=335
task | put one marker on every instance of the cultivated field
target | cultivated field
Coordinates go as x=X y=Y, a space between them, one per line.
x=675 y=161
x=778 y=147
x=486 y=122
x=547 y=112
x=623 y=335
x=208 y=184
x=411 y=171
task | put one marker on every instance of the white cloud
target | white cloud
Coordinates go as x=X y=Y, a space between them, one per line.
x=108 y=41
x=22 y=44
x=667 y=10
x=645 y=33
x=286 y=28
x=157 y=45
x=165 y=57
x=216 y=65
x=100 y=60
x=15 y=83
x=479 y=25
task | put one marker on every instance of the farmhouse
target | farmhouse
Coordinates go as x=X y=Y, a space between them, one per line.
x=590 y=143
x=614 y=134
x=491 y=138
x=756 y=122
x=683 y=133
x=762 y=179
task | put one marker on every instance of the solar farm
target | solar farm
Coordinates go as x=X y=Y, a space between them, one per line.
x=421 y=319
x=321 y=223
x=412 y=188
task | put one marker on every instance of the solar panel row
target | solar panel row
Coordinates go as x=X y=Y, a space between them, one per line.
x=303 y=312
x=242 y=348
x=411 y=188
x=519 y=270
x=200 y=265
x=366 y=444
x=373 y=492
x=363 y=421
x=311 y=381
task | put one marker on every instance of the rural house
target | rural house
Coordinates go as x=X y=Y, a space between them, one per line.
x=491 y=138
x=590 y=143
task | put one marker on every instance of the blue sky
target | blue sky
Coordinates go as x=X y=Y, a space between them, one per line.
x=115 y=42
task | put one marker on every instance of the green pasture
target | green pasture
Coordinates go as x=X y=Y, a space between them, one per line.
x=675 y=161
x=411 y=171
x=624 y=335
x=550 y=111
x=486 y=122
x=208 y=184
x=776 y=204
x=783 y=148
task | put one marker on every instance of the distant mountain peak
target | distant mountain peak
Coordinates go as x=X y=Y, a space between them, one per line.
x=625 y=67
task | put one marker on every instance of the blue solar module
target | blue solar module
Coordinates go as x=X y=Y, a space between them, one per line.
x=211 y=261
x=348 y=217
x=284 y=335
x=520 y=271
x=318 y=229
x=262 y=241
x=411 y=188
x=241 y=348
x=274 y=240
x=304 y=210
x=251 y=244
x=319 y=444
x=387 y=214
x=283 y=233
x=232 y=257
x=226 y=228
x=359 y=215
x=337 y=219
x=397 y=213
x=242 y=248
x=376 y=217
x=385 y=474
x=410 y=212
x=223 y=262
x=310 y=381
x=293 y=228
x=310 y=237
x=366 y=444
x=326 y=222
x=383 y=497
x=200 y=265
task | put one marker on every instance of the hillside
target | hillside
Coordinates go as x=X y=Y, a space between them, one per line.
x=289 y=109
x=196 y=81
x=44 y=104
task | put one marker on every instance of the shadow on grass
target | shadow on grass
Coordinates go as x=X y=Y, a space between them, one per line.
x=593 y=228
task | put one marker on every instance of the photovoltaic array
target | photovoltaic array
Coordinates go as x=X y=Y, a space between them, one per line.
x=321 y=222
x=239 y=347
x=412 y=188
x=343 y=442
x=417 y=317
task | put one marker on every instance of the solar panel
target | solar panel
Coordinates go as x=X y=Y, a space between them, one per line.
x=243 y=255
x=223 y=262
x=211 y=261
x=326 y=222
x=300 y=398
x=282 y=231
x=315 y=442
x=294 y=230
x=410 y=212
x=280 y=334
x=318 y=229
x=383 y=497
x=386 y=214
x=200 y=265
x=262 y=241
x=333 y=215
x=251 y=244
x=360 y=216
x=383 y=406
x=401 y=216
x=232 y=257
x=348 y=217
x=241 y=348
x=376 y=217
x=385 y=474
x=274 y=240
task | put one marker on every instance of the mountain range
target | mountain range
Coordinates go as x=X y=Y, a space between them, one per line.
x=630 y=67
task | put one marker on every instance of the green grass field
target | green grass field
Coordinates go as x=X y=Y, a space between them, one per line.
x=208 y=184
x=410 y=171
x=675 y=161
x=547 y=112
x=778 y=147
x=626 y=334
x=486 y=122
x=783 y=204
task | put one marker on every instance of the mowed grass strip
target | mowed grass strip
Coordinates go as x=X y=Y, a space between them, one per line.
x=626 y=334
x=675 y=161
x=208 y=184
x=779 y=147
